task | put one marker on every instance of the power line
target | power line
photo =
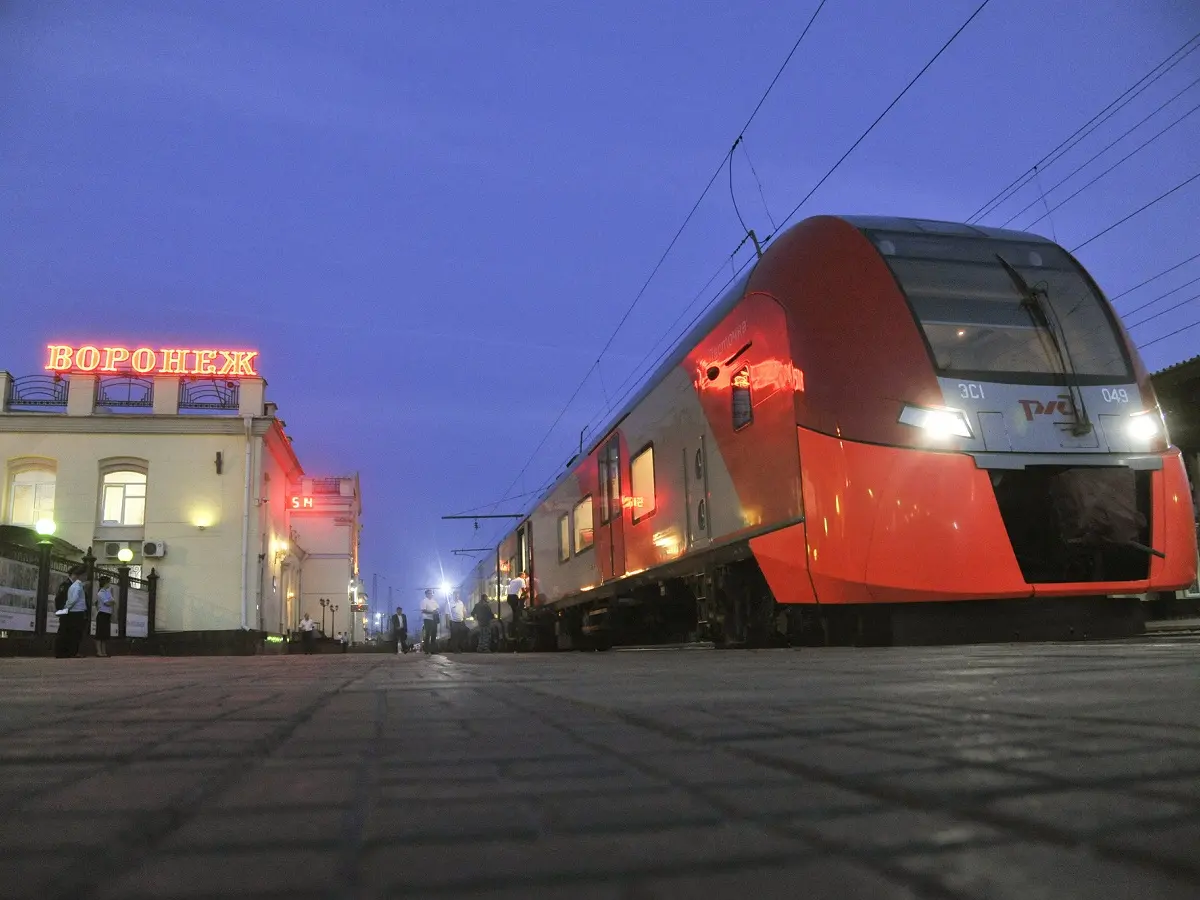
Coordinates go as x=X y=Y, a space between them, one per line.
x=1110 y=168
x=670 y=246
x=1108 y=147
x=1163 y=312
x=1142 y=284
x=1140 y=209
x=1088 y=127
x=1169 y=334
x=1159 y=297
x=880 y=117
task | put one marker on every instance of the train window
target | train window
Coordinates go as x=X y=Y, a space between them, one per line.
x=702 y=515
x=699 y=464
x=978 y=322
x=564 y=538
x=584 y=534
x=743 y=412
x=641 y=484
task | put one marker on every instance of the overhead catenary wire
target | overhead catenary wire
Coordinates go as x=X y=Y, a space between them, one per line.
x=1107 y=147
x=1153 y=278
x=1186 y=49
x=670 y=246
x=1162 y=296
x=1169 y=334
x=887 y=110
x=1162 y=312
x=1137 y=211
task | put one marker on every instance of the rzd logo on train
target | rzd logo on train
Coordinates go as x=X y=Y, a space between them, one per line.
x=1061 y=405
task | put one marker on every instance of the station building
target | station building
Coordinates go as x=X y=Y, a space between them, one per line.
x=176 y=457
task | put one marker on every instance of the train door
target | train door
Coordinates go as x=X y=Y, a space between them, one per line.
x=695 y=492
x=611 y=534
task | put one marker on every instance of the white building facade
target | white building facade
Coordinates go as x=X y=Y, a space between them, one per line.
x=189 y=469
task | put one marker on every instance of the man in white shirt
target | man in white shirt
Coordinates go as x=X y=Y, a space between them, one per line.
x=430 y=611
x=457 y=613
x=307 y=632
x=516 y=588
x=72 y=618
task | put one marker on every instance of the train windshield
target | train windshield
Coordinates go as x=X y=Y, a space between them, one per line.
x=982 y=322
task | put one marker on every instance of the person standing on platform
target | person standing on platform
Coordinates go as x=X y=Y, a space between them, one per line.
x=72 y=618
x=456 y=612
x=308 y=632
x=483 y=615
x=105 y=606
x=400 y=630
x=430 y=611
x=515 y=588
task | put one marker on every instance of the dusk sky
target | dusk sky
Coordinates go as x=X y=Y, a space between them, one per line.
x=430 y=217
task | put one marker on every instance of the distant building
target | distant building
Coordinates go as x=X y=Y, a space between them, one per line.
x=183 y=462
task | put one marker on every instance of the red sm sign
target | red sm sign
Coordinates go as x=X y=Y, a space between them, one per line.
x=221 y=363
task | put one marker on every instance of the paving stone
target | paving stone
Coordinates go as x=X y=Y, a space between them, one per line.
x=577 y=858
x=281 y=872
x=1038 y=872
x=1177 y=844
x=895 y=830
x=439 y=820
x=301 y=785
x=299 y=828
x=792 y=799
x=831 y=878
x=652 y=809
x=1087 y=812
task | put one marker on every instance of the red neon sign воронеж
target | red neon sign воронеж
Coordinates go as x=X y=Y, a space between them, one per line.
x=145 y=361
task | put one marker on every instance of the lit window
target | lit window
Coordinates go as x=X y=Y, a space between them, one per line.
x=583 y=524
x=124 y=499
x=743 y=414
x=564 y=538
x=641 y=484
x=31 y=496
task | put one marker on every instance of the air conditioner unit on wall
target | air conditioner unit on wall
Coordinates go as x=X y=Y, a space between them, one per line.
x=154 y=549
x=112 y=548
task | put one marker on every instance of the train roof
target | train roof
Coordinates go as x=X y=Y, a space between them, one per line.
x=730 y=298
x=929 y=226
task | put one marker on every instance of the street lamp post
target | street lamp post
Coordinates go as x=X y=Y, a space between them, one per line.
x=45 y=528
x=324 y=601
x=333 y=616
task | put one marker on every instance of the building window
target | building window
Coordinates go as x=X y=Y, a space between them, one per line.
x=31 y=496
x=564 y=537
x=124 y=499
x=743 y=414
x=641 y=484
x=584 y=534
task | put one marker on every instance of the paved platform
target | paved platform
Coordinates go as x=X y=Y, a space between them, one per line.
x=1023 y=771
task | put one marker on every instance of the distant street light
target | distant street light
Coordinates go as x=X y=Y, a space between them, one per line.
x=45 y=527
x=125 y=555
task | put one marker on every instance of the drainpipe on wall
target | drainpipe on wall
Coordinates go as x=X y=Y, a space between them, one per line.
x=247 y=500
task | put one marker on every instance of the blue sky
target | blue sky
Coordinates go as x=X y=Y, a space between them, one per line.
x=429 y=217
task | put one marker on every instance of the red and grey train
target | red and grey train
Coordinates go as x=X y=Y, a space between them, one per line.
x=888 y=422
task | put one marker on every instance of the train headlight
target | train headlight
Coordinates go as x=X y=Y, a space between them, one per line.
x=938 y=422
x=1144 y=426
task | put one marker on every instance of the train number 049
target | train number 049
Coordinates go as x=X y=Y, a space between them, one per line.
x=970 y=391
x=1116 y=395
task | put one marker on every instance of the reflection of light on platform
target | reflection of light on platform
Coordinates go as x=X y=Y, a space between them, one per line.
x=588 y=587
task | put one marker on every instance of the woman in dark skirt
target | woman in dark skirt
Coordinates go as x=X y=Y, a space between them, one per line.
x=104 y=614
